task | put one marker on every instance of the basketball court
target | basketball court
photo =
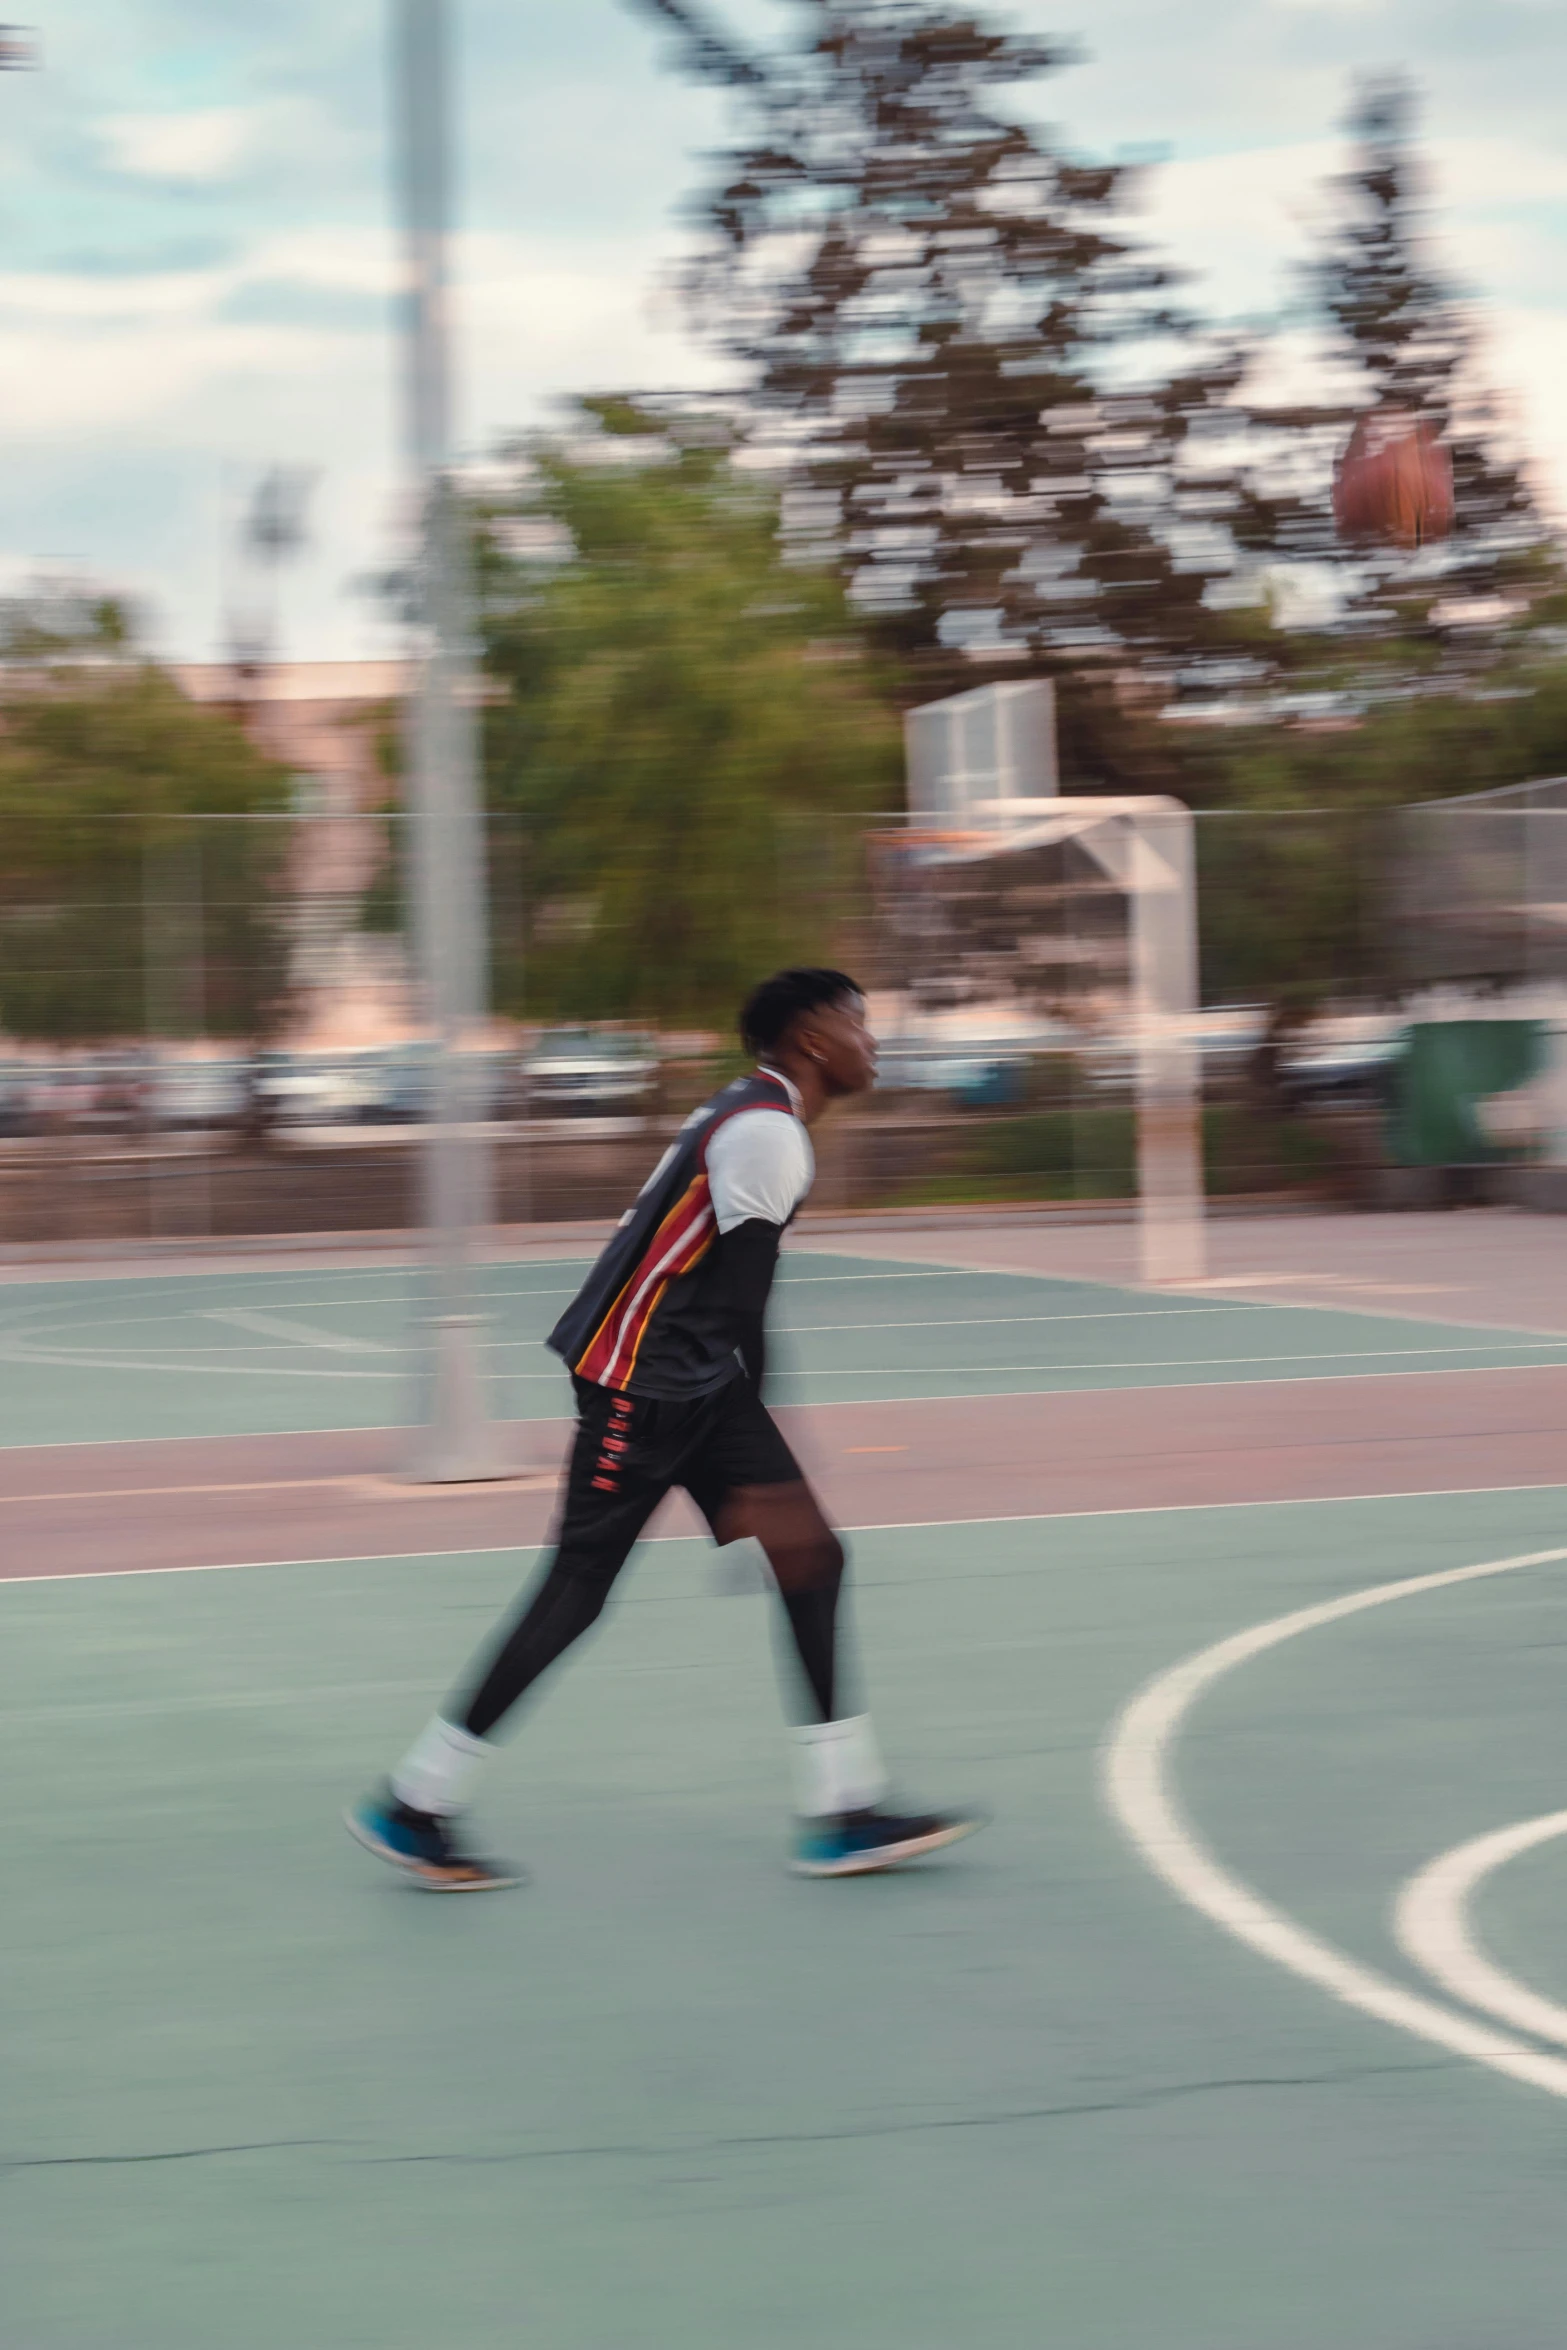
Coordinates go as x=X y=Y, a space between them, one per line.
x=1243 y=1607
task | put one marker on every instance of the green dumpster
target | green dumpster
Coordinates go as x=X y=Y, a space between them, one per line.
x=1445 y=1072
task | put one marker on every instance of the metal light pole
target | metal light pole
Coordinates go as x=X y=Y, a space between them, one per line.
x=459 y=1441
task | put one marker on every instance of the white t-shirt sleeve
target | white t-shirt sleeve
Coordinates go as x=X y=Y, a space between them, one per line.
x=759 y=1164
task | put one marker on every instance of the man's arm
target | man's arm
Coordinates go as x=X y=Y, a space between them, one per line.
x=748 y=1255
x=759 y=1169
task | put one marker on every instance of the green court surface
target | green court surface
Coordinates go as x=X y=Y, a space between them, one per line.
x=260 y=2093
x=222 y=1354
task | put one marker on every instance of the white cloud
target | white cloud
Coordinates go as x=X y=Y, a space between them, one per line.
x=1490 y=175
x=176 y=367
x=1241 y=219
x=332 y=260
x=46 y=294
x=286 y=349
x=201 y=144
x=1525 y=355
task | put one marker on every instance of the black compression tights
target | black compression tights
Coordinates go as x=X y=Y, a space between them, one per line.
x=569 y=1600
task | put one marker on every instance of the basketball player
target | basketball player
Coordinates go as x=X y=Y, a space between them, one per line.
x=666 y=1349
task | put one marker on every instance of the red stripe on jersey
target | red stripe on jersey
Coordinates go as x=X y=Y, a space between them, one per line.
x=680 y=1242
x=596 y=1354
x=681 y=1257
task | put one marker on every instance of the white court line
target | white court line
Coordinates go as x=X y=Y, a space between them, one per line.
x=26 y=1346
x=84 y=1360
x=1005 y=1321
x=310 y=1334
x=785 y=1402
x=1165 y=1307
x=1151 y=1509
x=1370 y=1354
x=1140 y=1509
x=1431 y=1922
x=1140 y=1795
x=313 y=1335
x=80 y=1359
x=910 y=1270
x=1131 y=1285
x=296 y=1333
x=23 y=1347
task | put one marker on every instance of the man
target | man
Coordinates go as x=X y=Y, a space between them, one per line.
x=665 y=1345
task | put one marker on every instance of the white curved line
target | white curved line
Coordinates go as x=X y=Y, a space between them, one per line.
x=1138 y=1792
x=1430 y=1922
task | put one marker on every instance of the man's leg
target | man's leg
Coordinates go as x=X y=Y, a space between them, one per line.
x=836 y=1763
x=807 y=1561
x=747 y=1482
x=615 y=1480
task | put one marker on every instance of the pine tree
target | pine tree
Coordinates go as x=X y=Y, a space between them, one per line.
x=940 y=315
x=1400 y=332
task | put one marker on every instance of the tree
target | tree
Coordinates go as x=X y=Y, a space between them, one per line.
x=1442 y=671
x=129 y=895
x=1399 y=336
x=1000 y=427
x=683 y=731
x=1404 y=331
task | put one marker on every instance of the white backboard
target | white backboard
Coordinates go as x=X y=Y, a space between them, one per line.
x=966 y=754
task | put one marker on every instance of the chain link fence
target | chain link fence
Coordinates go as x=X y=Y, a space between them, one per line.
x=204 y=1032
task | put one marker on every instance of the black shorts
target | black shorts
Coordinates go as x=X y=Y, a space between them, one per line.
x=631 y=1450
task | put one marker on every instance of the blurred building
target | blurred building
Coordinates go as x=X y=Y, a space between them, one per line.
x=329 y=723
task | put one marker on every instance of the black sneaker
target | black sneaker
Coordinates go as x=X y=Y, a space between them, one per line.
x=425 y=1847
x=857 y=1843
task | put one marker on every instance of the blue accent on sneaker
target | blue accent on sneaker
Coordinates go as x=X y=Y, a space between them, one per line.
x=424 y=1847
x=859 y=1844
x=384 y=1832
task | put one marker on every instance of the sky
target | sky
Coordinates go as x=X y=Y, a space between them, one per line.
x=199 y=266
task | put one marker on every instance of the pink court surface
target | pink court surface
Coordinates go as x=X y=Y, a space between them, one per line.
x=1241 y=1606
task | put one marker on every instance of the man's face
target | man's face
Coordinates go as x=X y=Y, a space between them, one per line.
x=844 y=1046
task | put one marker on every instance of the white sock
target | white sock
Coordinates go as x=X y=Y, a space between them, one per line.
x=439 y=1768
x=836 y=1766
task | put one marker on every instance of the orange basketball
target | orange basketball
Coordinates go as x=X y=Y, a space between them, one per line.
x=1394 y=483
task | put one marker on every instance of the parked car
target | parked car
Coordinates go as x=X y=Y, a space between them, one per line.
x=596 y=1070
x=13 y=1097
x=1225 y=1041
x=398 y=1080
x=312 y=1089
x=185 y=1095
x=980 y=1072
x=1347 y=1059
x=394 y=1085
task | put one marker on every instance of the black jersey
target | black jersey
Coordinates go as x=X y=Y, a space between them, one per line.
x=654 y=1316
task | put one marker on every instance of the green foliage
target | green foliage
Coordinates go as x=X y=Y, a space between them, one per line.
x=683 y=732
x=45 y=624
x=1090 y=1152
x=1291 y=905
x=114 y=902
x=1296 y=839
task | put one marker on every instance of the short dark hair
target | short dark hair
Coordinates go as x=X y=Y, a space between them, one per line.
x=769 y=1011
